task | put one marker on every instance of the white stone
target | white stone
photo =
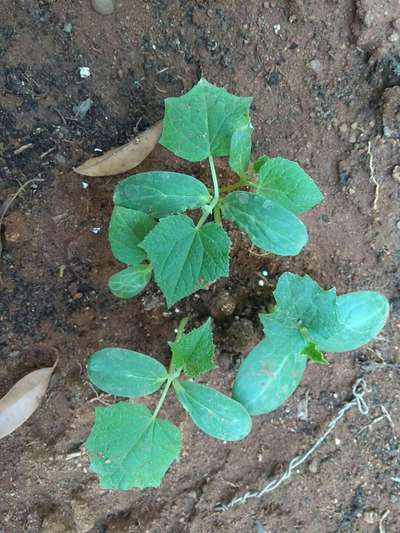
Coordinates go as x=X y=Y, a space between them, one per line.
x=103 y=7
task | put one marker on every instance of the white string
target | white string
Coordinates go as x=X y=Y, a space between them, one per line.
x=359 y=390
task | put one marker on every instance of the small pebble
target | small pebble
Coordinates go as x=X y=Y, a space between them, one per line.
x=277 y=29
x=84 y=72
x=396 y=24
x=96 y=230
x=343 y=128
x=67 y=27
x=261 y=283
x=370 y=517
x=103 y=7
x=82 y=109
x=315 y=64
x=396 y=173
x=394 y=37
x=354 y=126
x=60 y=159
x=353 y=138
x=313 y=467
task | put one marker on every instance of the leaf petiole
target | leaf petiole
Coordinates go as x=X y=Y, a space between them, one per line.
x=215 y=199
x=163 y=395
x=181 y=328
x=243 y=182
x=174 y=372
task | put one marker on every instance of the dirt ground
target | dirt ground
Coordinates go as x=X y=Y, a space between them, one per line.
x=325 y=77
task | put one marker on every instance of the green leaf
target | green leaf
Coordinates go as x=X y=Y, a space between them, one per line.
x=201 y=123
x=282 y=331
x=268 y=225
x=127 y=229
x=186 y=258
x=268 y=376
x=286 y=183
x=128 y=448
x=130 y=281
x=160 y=194
x=258 y=163
x=194 y=351
x=240 y=150
x=125 y=373
x=300 y=299
x=311 y=351
x=213 y=412
x=361 y=317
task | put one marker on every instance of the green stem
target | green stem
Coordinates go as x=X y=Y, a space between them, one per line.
x=217 y=215
x=181 y=328
x=162 y=397
x=173 y=374
x=215 y=199
x=243 y=182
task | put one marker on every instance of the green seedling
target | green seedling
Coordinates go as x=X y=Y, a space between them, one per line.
x=131 y=447
x=149 y=231
x=305 y=322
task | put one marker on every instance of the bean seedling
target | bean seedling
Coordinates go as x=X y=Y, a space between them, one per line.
x=132 y=447
x=305 y=322
x=148 y=230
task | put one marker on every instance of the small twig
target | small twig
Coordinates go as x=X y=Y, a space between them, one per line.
x=382 y=519
x=22 y=148
x=265 y=254
x=60 y=115
x=73 y=455
x=372 y=176
x=372 y=423
x=386 y=414
x=47 y=152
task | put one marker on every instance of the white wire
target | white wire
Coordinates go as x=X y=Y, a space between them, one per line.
x=359 y=390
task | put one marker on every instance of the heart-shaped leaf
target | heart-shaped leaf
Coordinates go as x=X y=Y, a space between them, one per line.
x=269 y=226
x=129 y=448
x=130 y=282
x=127 y=229
x=214 y=413
x=186 y=258
x=160 y=194
x=194 y=351
x=286 y=183
x=201 y=123
x=302 y=301
x=125 y=373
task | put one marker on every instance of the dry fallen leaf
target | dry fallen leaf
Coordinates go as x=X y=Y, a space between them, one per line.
x=22 y=400
x=123 y=158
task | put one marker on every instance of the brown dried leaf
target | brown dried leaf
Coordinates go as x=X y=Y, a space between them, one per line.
x=23 y=399
x=123 y=158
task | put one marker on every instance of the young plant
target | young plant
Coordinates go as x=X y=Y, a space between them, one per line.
x=305 y=322
x=131 y=447
x=149 y=231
